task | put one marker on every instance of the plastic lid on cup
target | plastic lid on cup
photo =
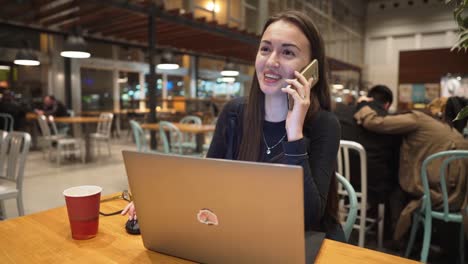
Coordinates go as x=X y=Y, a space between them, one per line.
x=80 y=191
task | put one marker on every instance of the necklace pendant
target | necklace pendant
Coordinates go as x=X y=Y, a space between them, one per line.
x=268 y=151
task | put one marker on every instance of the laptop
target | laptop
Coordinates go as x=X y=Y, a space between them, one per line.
x=220 y=211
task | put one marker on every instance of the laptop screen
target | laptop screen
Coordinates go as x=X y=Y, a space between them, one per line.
x=210 y=210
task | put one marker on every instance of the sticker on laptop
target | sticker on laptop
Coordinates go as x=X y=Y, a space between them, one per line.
x=207 y=217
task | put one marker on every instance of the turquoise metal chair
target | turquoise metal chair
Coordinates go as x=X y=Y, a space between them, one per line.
x=139 y=136
x=189 y=140
x=171 y=138
x=8 y=121
x=426 y=213
x=352 y=207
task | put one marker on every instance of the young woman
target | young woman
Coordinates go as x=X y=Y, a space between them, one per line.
x=261 y=128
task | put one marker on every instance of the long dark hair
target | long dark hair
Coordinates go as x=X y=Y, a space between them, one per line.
x=320 y=99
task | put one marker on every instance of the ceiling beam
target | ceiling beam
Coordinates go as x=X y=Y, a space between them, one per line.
x=182 y=20
x=125 y=28
x=37 y=13
x=113 y=23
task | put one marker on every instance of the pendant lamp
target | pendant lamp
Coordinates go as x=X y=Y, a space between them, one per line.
x=75 y=47
x=230 y=70
x=26 y=57
x=167 y=62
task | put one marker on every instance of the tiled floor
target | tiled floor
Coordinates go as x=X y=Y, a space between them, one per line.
x=44 y=181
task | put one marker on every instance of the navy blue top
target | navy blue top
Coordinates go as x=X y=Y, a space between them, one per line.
x=319 y=146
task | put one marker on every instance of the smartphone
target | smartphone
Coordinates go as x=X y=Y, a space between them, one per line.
x=310 y=71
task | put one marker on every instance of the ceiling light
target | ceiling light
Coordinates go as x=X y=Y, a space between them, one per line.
x=230 y=70
x=26 y=58
x=75 y=47
x=228 y=79
x=122 y=80
x=4 y=67
x=212 y=7
x=338 y=86
x=167 y=62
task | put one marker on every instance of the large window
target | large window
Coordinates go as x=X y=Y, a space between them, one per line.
x=217 y=88
x=96 y=89
x=130 y=90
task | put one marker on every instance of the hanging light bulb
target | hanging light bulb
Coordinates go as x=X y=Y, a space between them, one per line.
x=167 y=62
x=75 y=47
x=26 y=57
x=230 y=70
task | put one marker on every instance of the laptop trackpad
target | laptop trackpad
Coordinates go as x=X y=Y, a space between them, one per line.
x=313 y=241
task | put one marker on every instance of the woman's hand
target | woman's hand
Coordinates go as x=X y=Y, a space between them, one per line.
x=301 y=95
x=130 y=209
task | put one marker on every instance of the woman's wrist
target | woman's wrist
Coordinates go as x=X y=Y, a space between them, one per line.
x=293 y=136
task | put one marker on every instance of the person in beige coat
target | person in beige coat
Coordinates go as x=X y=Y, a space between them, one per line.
x=422 y=136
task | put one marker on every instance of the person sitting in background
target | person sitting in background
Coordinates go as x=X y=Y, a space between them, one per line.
x=8 y=105
x=382 y=156
x=52 y=107
x=423 y=136
x=55 y=108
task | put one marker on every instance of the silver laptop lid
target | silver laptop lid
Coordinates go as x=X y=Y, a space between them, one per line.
x=218 y=211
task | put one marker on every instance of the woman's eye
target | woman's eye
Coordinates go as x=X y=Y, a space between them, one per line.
x=264 y=49
x=289 y=53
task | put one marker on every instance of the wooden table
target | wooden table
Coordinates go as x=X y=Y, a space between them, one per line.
x=198 y=130
x=45 y=238
x=85 y=120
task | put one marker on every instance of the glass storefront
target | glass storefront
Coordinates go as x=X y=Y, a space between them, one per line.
x=96 y=89
x=130 y=90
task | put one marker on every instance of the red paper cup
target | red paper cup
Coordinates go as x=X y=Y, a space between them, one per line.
x=83 y=210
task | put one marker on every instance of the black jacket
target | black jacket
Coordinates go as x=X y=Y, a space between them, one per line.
x=57 y=109
x=382 y=154
x=16 y=111
x=454 y=105
x=321 y=142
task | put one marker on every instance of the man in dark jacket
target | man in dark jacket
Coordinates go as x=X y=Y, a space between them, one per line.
x=382 y=153
x=53 y=107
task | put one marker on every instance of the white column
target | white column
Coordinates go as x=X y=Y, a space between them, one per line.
x=56 y=75
x=115 y=78
x=116 y=89
x=76 y=84
x=389 y=51
x=164 y=90
x=262 y=12
x=141 y=80
x=450 y=38
x=75 y=69
x=193 y=81
x=418 y=41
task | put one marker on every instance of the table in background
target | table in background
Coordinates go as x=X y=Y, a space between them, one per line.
x=45 y=238
x=198 y=130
